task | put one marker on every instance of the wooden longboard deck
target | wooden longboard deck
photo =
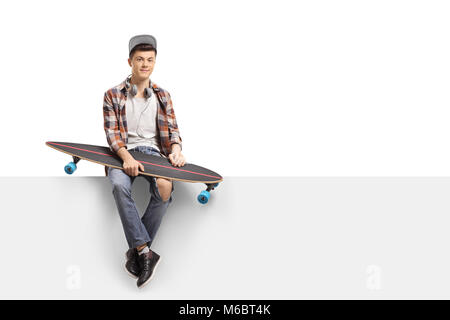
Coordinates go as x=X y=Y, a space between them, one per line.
x=153 y=165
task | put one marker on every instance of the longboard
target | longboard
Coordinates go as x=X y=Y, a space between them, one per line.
x=154 y=166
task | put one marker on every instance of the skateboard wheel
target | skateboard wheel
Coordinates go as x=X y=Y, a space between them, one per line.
x=216 y=185
x=70 y=168
x=203 y=197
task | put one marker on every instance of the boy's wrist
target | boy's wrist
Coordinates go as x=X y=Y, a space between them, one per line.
x=176 y=147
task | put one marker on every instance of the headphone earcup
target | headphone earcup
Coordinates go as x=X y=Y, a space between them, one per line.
x=133 y=90
x=148 y=92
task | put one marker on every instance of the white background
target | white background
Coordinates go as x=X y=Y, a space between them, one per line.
x=273 y=88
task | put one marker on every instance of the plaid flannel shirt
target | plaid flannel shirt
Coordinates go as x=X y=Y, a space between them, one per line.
x=115 y=122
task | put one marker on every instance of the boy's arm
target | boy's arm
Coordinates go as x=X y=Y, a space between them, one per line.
x=111 y=124
x=124 y=154
x=174 y=133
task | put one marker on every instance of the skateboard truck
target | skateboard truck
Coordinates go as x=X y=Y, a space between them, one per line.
x=72 y=166
x=203 y=197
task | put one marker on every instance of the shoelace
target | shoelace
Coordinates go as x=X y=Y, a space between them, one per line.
x=146 y=264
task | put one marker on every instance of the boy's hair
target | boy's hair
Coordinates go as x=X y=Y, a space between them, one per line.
x=142 y=47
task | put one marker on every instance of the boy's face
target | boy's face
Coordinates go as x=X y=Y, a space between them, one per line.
x=142 y=64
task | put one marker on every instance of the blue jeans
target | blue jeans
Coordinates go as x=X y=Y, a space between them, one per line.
x=138 y=231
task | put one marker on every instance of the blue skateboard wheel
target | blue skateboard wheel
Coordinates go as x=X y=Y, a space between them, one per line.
x=70 y=168
x=203 y=197
x=216 y=185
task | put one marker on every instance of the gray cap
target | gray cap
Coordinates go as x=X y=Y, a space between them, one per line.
x=140 y=39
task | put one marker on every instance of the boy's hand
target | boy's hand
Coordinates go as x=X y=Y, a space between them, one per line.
x=176 y=157
x=131 y=167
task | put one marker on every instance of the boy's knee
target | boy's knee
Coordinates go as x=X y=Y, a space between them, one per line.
x=164 y=188
x=118 y=187
x=119 y=184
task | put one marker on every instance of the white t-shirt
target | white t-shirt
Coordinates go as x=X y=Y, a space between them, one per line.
x=141 y=121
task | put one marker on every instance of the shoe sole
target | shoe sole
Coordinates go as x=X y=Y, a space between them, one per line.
x=153 y=273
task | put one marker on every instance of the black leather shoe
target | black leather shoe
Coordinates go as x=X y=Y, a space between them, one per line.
x=132 y=264
x=147 y=262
